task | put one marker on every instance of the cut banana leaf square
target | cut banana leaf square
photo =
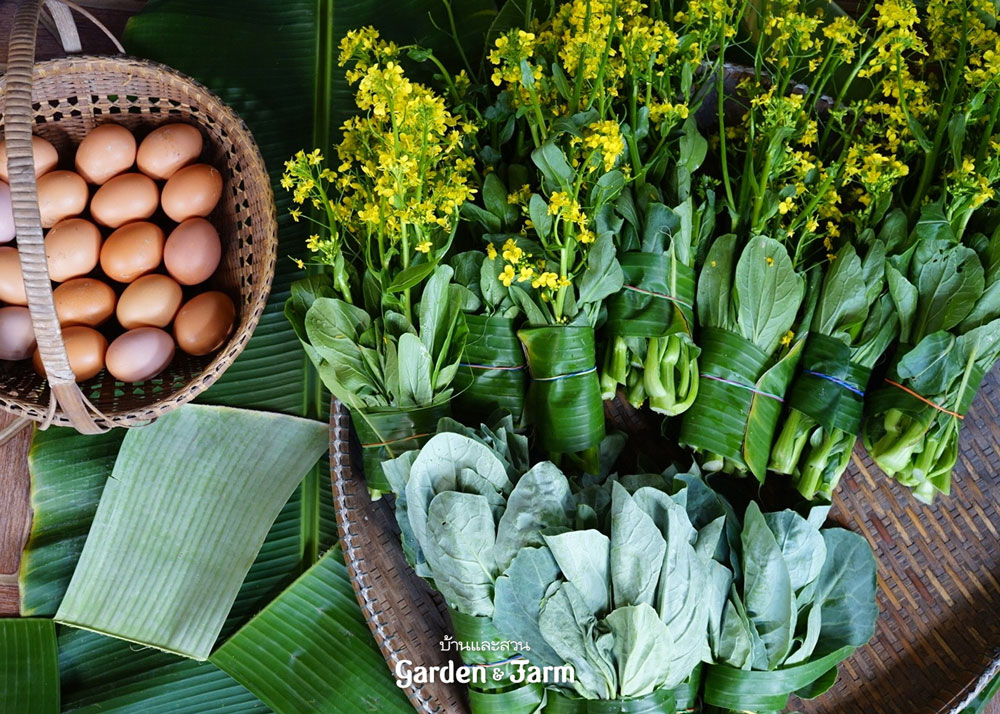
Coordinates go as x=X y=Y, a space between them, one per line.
x=187 y=507
x=29 y=667
x=309 y=651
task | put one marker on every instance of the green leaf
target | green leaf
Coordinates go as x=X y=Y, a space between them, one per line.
x=932 y=364
x=949 y=279
x=284 y=654
x=843 y=302
x=198 y=474
x=642 y=648
x=584 y=559
x=541 y=219
x=767 y=293
x=603 y=276
x=715 y=284
x=801 y=545
x=767 y=587
x=556 y=171
x=518 y=599
x=29 y=667
x=415 y=388
x=411 y=276
x=637 y=551
x=904 y=297
x=541 y=499
x=846 y=592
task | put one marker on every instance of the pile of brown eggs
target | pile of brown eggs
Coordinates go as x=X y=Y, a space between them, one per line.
x=118 y=274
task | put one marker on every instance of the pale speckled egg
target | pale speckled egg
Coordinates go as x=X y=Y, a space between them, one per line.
x=132 y=251
x=11 y=279
x=61 y=194
x=124 y=199
x=85 y=348
x=7 y=231
x=43 y=152
x=105 y=152
x=17 y=336
x=204 y=323
x=193 y=251
x=72 y=248
x=84 y=301
x=151 y=301
x=140 y=354
x=167 y=149
x=193 y=191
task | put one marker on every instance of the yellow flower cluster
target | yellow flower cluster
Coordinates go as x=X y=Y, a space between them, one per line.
x=520 y=268
x=605 y=138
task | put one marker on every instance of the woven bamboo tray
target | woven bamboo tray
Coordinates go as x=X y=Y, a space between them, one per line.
x=938 y=574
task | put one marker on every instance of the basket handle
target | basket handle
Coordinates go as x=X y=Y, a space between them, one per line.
x=65 y=27
x=28 y=224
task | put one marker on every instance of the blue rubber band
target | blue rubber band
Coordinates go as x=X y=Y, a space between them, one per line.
x=565 y=376
x=839 y=382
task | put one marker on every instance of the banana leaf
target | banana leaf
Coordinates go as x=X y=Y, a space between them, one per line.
x=659 y=702
x=29 y=668
x=497 y=693
x=189 y=503
x=284 y=654
x=831 y=404
x=564 y=398
x=388 y=432
x=492 y=374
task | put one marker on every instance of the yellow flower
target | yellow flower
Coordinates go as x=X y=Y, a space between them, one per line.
x=527 y=272
x=770 y=261
x=785 y=206
x=585 y=236
x=299 y=263
x=423 y=246
x=314 y=157
x=546 y=280
x=564 y=282
x=312 y=243
x=788 y=337
x=491 y=252
x=508 y=275
x=296 y=214
x=812 y=224
x=511 y=252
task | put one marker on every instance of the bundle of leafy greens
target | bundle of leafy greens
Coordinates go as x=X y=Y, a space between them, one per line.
x=853 y=325
x=802 y=600
x=947 y=295
x=386 y=217
x=748 y=302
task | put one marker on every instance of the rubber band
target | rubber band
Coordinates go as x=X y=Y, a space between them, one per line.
x=839 y=382
x=925 y=400
x=490 y=366
x=396 y=441
x=663 y=296
x=581 y=373
x=748 y=387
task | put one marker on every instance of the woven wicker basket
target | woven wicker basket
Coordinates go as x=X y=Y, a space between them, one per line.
x=938 y=575
x=61 y=100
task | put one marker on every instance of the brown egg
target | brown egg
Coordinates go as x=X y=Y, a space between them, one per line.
x=140 y=354
x=17 y=336
x=167 y=149
x=106 y=151
x=61 y=194
x=72 y=248
x=131 y=251
x=192 y=191
x=151 y=301
x=84 y=301
x=11 y=280
x=123 y=199
x=43 y=152
x=204 y=323
x=85 y=348
x=192 y=252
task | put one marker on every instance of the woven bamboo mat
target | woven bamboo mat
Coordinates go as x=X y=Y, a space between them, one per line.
x=939 y=575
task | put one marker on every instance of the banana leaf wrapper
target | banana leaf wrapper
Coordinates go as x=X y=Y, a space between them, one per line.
x=648 y=306
x=738 y=690
x=492 y=374
x=740 y=398
x=686 y=693
x=485 y=648
x=564 y=397
x=387 y=432
x=659 y=702
x=829 y=399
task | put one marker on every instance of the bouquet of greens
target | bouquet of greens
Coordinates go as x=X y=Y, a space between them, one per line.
x=802 y=600
x=386 y=217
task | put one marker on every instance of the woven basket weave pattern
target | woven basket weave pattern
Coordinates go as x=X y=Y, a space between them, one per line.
x=71 y=97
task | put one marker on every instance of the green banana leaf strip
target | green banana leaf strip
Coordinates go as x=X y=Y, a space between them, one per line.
x=388 y=432
x=830 y=404
x=765 y=410
x=525 y=699
x=659 y=702
x=717 y=421
x=482 y=646
x=492 y=375
x=564 y=398
x=292 y=655
x=686 y=693
x=29 y=667
x=68 y=472
x=187 y=508
x=753 y=691
x=648 y=306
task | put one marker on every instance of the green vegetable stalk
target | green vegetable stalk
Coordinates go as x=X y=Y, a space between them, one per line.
x=747 y=307
x=853 y=325
x=948 y=298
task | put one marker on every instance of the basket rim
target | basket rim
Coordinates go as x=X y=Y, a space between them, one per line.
x=253 y=164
